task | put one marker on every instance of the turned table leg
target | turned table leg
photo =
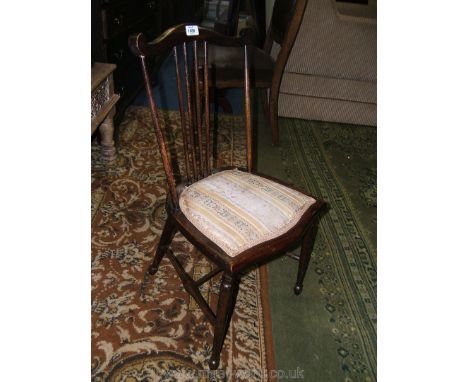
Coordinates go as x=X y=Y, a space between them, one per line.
x=107 y=138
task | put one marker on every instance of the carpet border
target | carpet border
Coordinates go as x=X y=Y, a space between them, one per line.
x=265 y=296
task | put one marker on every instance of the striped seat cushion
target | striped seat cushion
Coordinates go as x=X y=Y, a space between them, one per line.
x=238 y=210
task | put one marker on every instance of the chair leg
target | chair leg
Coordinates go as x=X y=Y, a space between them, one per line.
x=226 y=302
x=306 y=252
x=168 y=233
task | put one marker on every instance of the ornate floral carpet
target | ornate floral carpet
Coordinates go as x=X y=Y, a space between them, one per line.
x=333 y=322
x=147 y=328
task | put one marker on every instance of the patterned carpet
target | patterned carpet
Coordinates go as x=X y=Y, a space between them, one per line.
x=334 y=321
x=147 y=328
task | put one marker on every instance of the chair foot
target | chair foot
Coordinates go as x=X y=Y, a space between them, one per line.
x=298 y=289
x=160 y=252
x=214 y=362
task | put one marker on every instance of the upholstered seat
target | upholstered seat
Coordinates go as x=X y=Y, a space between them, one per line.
x=238 y=210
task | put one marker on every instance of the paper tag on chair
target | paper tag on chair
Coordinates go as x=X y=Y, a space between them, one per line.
x=191 y=30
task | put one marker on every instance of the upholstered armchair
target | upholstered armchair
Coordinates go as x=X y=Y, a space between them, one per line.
x=331 y=74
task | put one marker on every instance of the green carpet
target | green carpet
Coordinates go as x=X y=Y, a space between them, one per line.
x=329 y=331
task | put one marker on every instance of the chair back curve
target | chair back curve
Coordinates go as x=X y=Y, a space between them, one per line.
x=191 y=73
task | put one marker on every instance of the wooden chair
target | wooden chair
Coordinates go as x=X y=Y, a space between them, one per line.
x=235 y=217
x=267 y=72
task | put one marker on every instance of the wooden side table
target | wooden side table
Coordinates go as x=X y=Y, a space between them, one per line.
x=103 y=102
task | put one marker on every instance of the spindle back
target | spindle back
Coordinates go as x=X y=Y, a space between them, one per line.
x=192 y=73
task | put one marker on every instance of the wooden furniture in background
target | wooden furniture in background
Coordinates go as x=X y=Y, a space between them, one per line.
x=113 y=22
x=237 y=218
x=221 y=16
x=257 y=10
x=267 y=72
x=103 y=101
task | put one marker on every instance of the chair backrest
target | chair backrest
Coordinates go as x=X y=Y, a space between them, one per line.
x=191 y=81
x=285 y=21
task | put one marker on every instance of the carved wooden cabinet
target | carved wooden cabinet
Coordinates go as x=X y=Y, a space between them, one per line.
x=103 y=101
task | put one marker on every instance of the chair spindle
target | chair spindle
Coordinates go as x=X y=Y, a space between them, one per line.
x=159 y=135
x=185 y=138
x=207 y=108
x=248 y=115
x=190 y=114
x=198 y=109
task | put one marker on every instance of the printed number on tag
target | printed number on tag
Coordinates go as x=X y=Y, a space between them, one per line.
x=191 y=30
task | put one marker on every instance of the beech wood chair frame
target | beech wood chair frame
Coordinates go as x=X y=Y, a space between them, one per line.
x=198 y=164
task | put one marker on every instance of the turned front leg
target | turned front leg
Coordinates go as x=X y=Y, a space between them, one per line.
x=226 y=302
x=304 y=259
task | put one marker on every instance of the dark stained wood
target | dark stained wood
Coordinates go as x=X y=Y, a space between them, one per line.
x=208 y=276
x=285 y=22
x=259 y=14
x=198 y=109
x=188 y=90
x=227 y=294
x=159 y=135
x=283 y=12
x=306 y=252
x=103 y=107
x=171 y=37
x=207 y=107
x=191 y=287
x=199 y=166
x=289 y=32
x=248 y=115
x=186 y=11
x=183 y=125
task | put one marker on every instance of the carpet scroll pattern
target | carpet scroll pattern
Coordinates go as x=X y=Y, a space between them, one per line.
x=147 y=328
